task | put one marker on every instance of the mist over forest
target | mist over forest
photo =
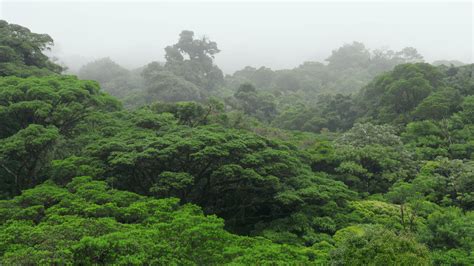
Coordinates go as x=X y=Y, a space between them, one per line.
x=205 y=133
x=277 y=35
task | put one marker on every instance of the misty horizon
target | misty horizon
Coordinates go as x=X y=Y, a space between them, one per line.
x=236 y=133
x=274 y=35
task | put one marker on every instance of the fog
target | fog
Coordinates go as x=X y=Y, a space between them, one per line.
x=277 y=35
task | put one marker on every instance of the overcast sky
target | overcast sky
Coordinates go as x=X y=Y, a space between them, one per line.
x=277 y=35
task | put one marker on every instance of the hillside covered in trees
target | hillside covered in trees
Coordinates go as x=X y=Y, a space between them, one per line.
x=365 y=160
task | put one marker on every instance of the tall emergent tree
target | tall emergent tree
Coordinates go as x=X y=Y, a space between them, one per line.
x=188 y=74
x=192 y=59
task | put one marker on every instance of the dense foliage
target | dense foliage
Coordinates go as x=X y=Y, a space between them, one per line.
x=21 y=52
x=206 y=170
x=88 y=223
